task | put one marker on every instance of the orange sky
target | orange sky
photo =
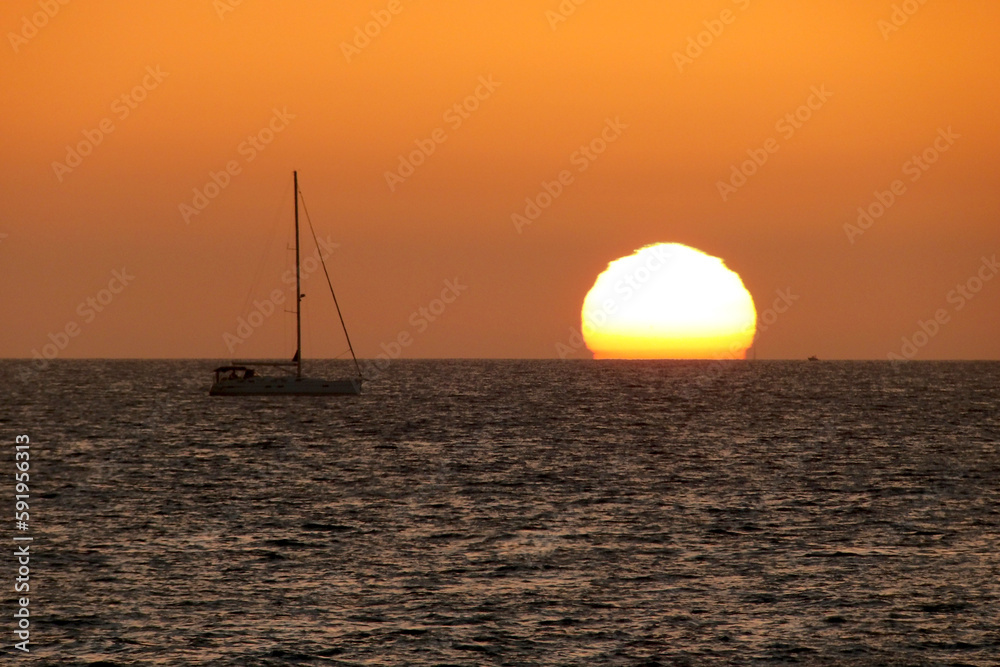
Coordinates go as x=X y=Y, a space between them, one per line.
x=209 y=79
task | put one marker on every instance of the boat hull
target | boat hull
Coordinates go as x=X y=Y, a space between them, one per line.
x=285 y=386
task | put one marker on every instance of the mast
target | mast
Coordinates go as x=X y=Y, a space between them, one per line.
x=298 y=284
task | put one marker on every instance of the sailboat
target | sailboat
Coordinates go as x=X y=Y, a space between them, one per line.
x=240 y=378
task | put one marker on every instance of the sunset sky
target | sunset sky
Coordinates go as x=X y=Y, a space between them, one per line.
x=640 y=116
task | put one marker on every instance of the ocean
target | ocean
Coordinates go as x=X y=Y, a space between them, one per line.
x=509 y=513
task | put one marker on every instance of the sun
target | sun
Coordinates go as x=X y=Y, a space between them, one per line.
x=669 y=301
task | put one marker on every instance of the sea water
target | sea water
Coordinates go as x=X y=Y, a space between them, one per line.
x=510 y=513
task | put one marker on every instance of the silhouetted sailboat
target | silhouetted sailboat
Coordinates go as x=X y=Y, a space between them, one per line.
x=240 y=378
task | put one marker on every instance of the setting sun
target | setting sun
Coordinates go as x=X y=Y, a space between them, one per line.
x=668 y=301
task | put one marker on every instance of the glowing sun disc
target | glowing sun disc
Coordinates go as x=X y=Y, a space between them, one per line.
x=668 y=301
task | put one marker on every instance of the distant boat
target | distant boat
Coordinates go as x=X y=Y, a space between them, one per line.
x=813 y=359
x=240 y=378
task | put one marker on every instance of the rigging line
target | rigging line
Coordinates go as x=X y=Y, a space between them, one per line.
x=305 y=210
